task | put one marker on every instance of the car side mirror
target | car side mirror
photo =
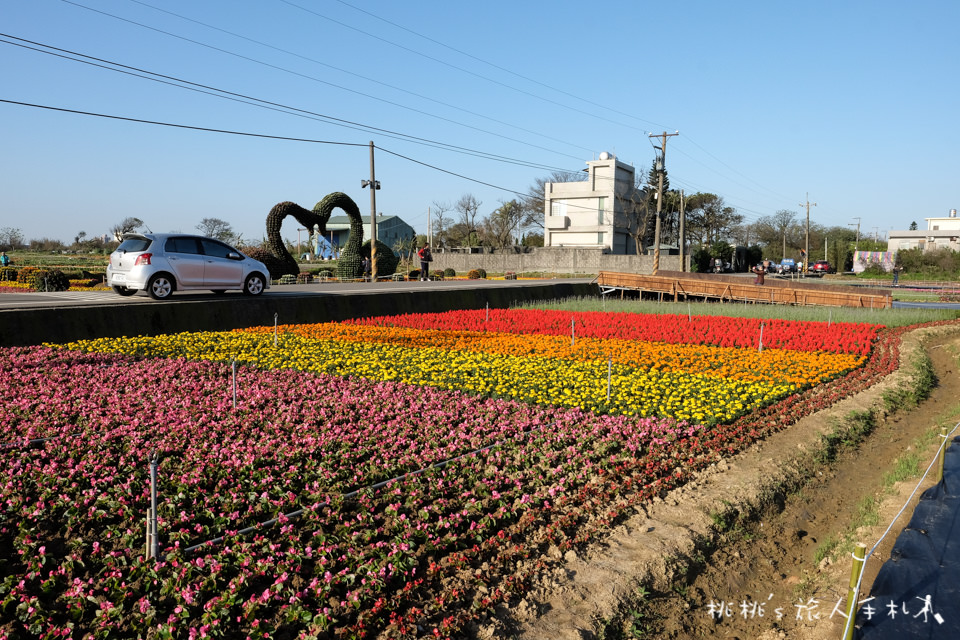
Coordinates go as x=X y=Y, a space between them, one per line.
x=233 y=255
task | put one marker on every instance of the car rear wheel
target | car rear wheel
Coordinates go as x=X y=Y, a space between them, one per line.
x=160 y=287
x=123 y=291
x=254 y=284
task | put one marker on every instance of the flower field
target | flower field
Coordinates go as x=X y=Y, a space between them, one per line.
x=413 y=470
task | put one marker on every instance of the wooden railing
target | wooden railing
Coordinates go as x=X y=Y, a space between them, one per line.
x=684 y=286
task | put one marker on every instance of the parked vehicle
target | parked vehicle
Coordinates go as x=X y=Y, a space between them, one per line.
x=161 y=263
x=821 y=267
x=787 y=265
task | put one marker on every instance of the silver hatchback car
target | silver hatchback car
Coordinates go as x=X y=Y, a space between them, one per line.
x=161 y=263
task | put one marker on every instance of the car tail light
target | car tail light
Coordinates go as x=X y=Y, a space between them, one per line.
x=143 y=260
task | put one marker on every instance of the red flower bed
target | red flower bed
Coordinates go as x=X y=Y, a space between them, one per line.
x=674 y=329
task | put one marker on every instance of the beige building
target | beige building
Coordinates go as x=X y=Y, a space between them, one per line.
x=941 y=233
x=592 y=213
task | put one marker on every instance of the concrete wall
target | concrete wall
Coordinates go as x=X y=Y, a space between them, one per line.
x=555 y=260
x=63 y=324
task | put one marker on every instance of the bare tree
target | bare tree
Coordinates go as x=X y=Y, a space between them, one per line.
x=469 y=208
x=11 y=238
x=127 y=225
x=640 y=211
x=441 y=222
x=217 y=228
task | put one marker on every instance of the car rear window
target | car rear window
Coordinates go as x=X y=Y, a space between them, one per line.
x=181 y=245
x=135 y=245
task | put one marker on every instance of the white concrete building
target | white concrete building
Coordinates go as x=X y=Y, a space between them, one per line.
x=941 y=233
x=591 y=213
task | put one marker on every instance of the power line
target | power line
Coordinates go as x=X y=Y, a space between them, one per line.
x=178 y=126
x=318 y=80
x=266 y=136
x=453 y=66
x=440 y=61
x=490 y=64
x=362 y=77
x=221 y=93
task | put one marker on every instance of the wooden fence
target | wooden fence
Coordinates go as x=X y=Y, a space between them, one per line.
x=724 y=288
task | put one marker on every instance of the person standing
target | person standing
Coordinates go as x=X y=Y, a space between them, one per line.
x=426 y=257
x=4 y=259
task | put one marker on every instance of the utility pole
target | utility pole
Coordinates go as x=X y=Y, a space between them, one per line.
x=374 y=185
x=683 y=239
x=806 y=251
x=856 y=246
x=661 y=168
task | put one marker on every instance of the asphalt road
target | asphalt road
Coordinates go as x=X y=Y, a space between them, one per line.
x=87 y=298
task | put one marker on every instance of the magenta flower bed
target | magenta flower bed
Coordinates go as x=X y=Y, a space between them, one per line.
x=72 y=529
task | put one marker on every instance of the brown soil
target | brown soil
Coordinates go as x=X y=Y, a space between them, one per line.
x=747 y=532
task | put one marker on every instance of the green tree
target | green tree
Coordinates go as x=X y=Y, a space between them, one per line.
x=709 y=219
x=501 y=225
x=780 y=234
x=532 y=240
x=913 y=226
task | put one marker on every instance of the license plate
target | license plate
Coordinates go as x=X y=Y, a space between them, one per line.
x=119 y=277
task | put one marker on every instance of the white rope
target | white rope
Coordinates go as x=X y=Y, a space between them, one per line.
x=856 y=591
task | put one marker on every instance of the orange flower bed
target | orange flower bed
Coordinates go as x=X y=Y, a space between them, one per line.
x=797 y=367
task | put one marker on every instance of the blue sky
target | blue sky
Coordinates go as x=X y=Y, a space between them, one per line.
x=854 y=103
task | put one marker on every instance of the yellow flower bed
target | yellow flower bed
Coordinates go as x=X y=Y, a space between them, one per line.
x=801 y=368
x=538 y=378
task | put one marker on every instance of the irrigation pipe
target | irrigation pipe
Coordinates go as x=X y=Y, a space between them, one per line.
x=30 y=443
x=847 y=628
x=354 y=493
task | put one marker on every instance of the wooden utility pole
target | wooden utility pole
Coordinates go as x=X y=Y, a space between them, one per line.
x=374 y=185
x=806 y=250
x=661 y=168
x=683 y=239
x=856 y=246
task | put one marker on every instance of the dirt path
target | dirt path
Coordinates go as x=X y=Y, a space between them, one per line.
x=745 y=535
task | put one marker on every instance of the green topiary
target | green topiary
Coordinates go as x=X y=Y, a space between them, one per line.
x=49 y=280
x=482 y=272
x=437 y=275
x=349 y=266
x=270 y=261
x=387 y=261
x=450 y=272
x=414 y=275
x=287 y=278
